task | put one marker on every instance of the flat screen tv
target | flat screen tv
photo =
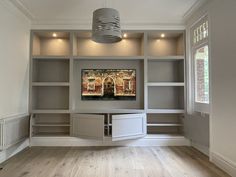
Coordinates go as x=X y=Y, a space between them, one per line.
x=108 y=84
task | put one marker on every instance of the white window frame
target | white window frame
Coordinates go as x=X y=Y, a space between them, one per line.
x=193 y=105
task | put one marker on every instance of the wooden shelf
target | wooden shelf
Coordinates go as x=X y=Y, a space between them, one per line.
x=107 y=125
x=51 y=125
x=163 y=136
x=50 y=57
x=166 y=111
x=108 y=57
x=50 y=134
x=100 y=111
x=164 y=125
x=50 y=83
x=166 y=84
x=166 y=58
x=45 y=111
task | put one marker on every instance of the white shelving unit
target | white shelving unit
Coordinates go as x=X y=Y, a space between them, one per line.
x=55 y=90
x=165 y=83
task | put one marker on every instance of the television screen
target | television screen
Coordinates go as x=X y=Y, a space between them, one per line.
x=108 y=84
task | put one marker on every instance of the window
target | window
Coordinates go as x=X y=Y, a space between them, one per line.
x=201 y=78
x=200 y=65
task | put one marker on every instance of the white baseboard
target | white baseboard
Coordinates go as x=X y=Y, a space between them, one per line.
x=8 y=153
x=224 y=163
x=72 y=141
x=203 y=149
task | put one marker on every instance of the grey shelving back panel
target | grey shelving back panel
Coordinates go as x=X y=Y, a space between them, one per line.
x=102 y=64
x=166 y=71
x=166 y=98
x=50 y=98
x=51 y=70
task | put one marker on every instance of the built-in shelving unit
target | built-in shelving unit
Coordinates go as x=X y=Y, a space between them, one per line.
x=165 y=86
x=55 y=90
x=50 y=83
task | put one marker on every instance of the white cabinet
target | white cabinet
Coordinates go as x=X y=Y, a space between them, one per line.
x=123 y=126
x=89 y=126
x=128 y=126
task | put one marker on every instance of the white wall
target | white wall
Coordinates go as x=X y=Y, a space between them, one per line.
x=223 y=54
x=14 y=60
x=196 y=127
x=222 y=16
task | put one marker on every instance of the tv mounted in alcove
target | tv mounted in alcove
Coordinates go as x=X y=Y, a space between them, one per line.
x=108 y=84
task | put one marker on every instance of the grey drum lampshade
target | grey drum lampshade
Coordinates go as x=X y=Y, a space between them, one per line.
x=106 y=26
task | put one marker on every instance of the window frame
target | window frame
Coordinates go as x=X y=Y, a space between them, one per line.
x=197 y=106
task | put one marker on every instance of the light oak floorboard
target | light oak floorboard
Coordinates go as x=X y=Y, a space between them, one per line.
x=110 y=162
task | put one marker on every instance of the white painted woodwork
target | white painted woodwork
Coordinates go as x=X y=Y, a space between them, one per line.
x=1 y=134
x=166 y=111
x=13 y=130
x=89 y=126
x=128 y=126
x=41 y=84
x=58 y=76
x=166 y=58
x=109 y=111
x=165 y=84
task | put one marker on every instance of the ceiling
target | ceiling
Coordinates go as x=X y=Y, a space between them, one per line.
x=51 y=12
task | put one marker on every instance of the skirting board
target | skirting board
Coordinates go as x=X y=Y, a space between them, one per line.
x=224 y=163
x=201 y=148
x=8 y=153
x=72 y=141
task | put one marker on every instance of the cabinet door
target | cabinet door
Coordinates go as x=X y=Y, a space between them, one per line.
x=88 y=126
x=128 y=126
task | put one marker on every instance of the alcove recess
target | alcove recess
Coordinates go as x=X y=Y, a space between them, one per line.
x=45 y=44
x=165 y=82
x=56 y=63
x=112 y=63
x=131 y=46
x=50 y=83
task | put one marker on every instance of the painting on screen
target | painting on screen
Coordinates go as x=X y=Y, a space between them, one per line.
x=108 y=84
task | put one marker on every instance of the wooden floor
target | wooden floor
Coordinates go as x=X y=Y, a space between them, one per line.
x=110 y=162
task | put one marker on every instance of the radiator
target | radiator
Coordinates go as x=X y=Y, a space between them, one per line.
x=13 y=130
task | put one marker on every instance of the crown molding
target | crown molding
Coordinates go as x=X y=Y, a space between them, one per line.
x=14 y=10
x=194 y=8
x=23 y=9
x=73 y=25
x=86 y=23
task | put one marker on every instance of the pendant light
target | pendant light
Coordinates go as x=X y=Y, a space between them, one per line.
x=106 y=26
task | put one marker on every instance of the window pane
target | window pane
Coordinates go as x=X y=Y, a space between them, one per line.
x=200 y=32
x=201 y=75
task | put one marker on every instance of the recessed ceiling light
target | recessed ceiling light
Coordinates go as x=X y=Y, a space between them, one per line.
x=54 y=35
x=163 y=35
x=125 y=35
